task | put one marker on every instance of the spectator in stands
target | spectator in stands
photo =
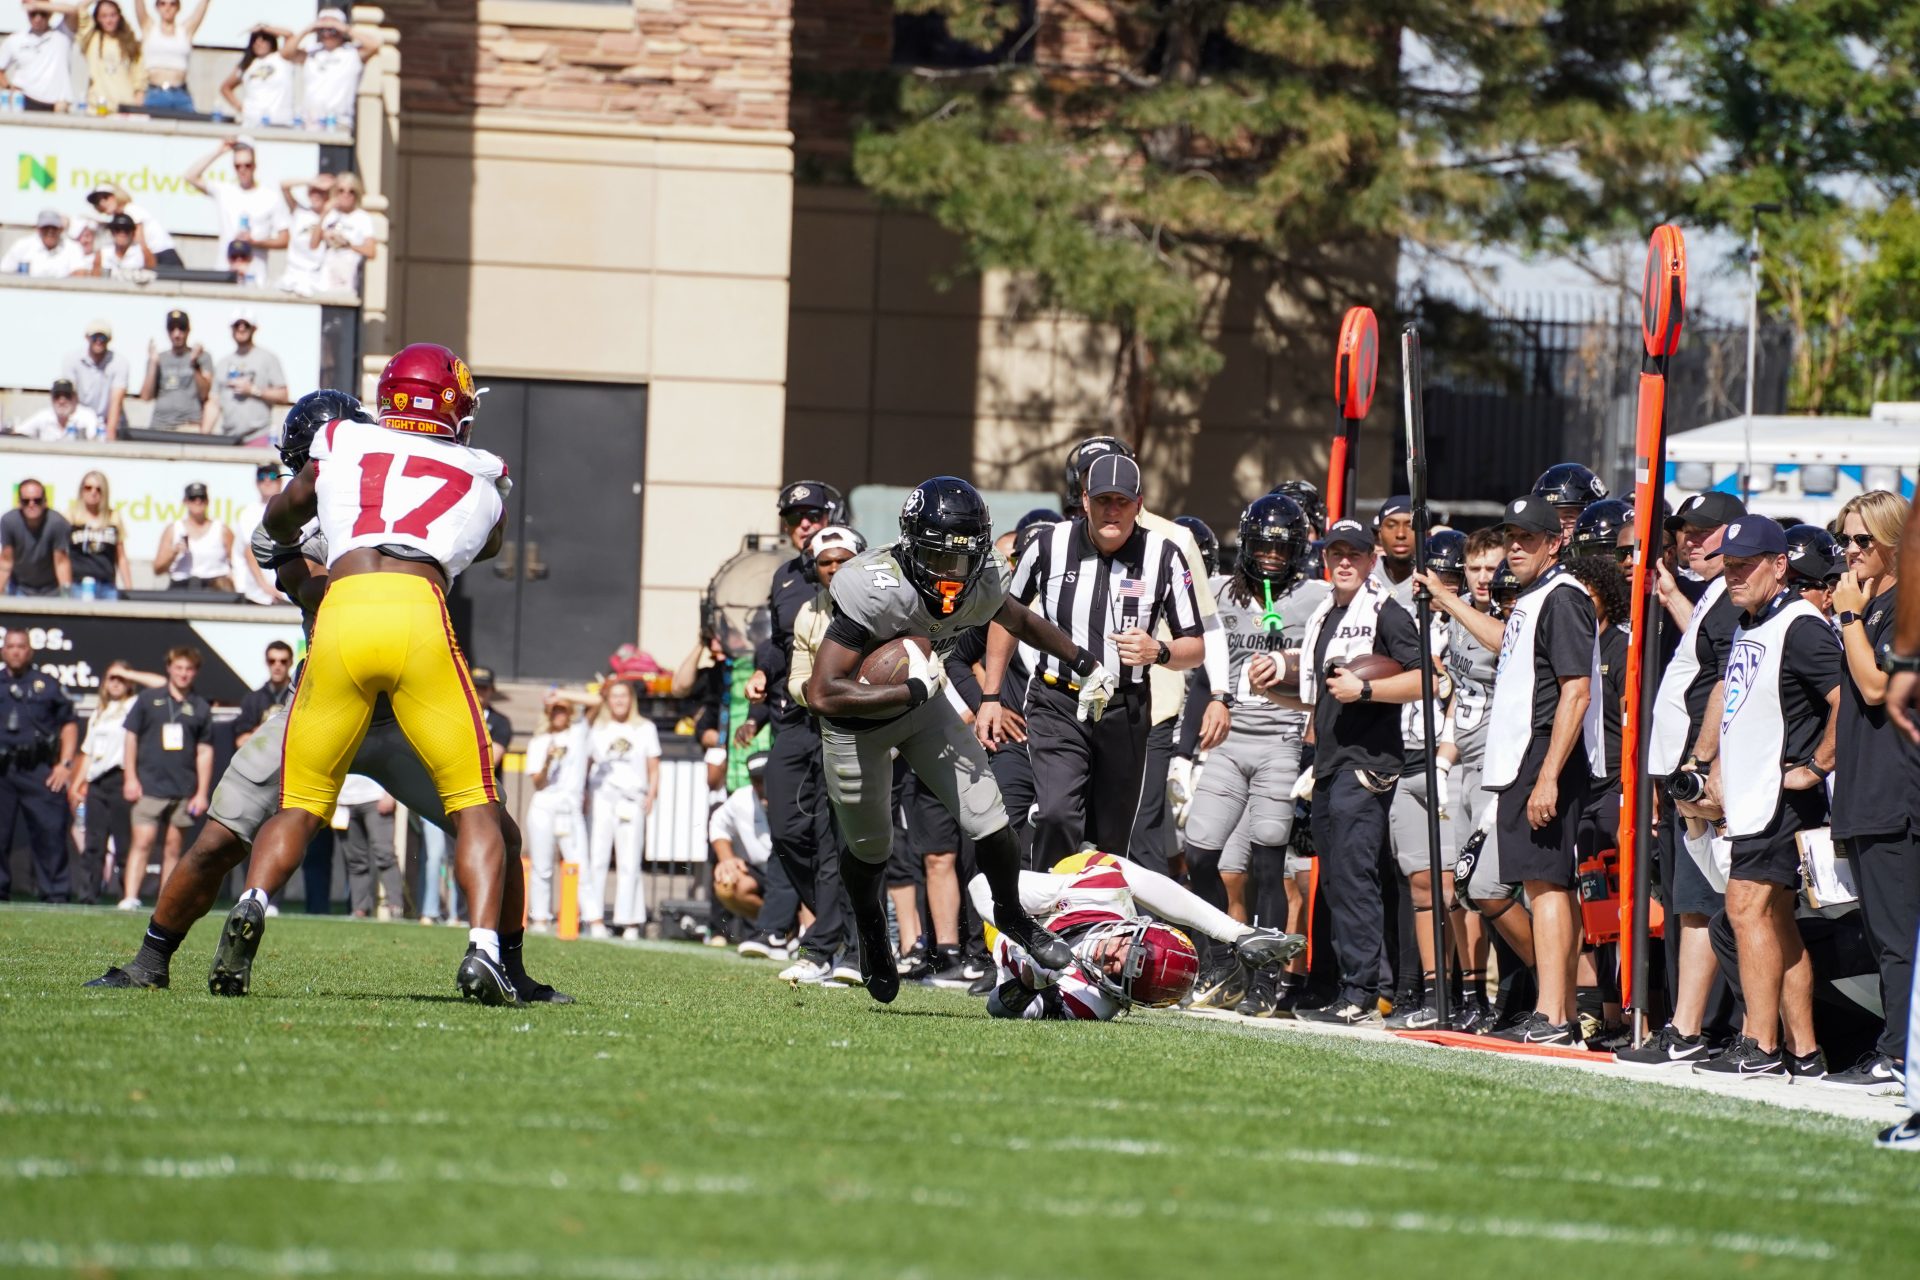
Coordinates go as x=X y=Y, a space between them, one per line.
x=334 y=59
x=271 y=698
x=168 y=765
x=169 y=48
x=250 y=383
x=116 y=68
x=196 y=553
x=84 y=236
x=110 y=198
x=64 y=419
x=33 y=546
x=263 y=80
x=178 y=379
x=256 y=584
x=47 y=254
x=99 y=375
x=305 y=250
x=125 y=249
x=248 y=211
x=348 y=237
x=100 y=782
x=36 y=61
x=97 y=543
x=366 y=846
x=240 y=260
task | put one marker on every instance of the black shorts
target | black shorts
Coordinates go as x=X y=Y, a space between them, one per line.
x=1773 y=855
x=1600 y=821
x=1547 y=855
x=930 y=828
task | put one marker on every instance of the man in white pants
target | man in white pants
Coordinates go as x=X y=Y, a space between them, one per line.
x=557 y=767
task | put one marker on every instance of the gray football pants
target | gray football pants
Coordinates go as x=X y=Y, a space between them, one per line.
x=1248 y=776
x=249 y=791
x=942 y=752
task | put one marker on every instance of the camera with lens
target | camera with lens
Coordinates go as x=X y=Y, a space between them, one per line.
x=1687 y=786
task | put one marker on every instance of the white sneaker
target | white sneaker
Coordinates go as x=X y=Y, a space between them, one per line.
x=129 y=904
x=598 y=930
x=845 y=973
x=806 y=971
x=540 y=926
x=272 y=911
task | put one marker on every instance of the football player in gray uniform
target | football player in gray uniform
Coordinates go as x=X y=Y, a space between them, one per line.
x=937 y=582
x=249 y=792
x=1264 y=607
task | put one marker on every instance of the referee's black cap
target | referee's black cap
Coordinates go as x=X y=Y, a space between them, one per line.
x=1114 y=473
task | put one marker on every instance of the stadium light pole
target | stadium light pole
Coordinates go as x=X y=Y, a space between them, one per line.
x=1753 y=333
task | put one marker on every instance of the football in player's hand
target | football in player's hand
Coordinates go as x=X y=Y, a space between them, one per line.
x=888 y=663
x=1372 y=666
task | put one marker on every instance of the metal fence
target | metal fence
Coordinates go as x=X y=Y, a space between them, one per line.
x=1508 y=396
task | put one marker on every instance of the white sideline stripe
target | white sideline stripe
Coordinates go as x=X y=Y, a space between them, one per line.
x=1832 y=1100
x=51 y=1255
x=169 y=1169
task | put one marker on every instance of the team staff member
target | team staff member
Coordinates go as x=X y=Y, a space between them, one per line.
x=1357 y=754
x=1874 y=776
x=1686 y=738
x=1782 y=697
x=804 y=837
x=1903 y=708
x=1107 y=583
x=1542 y=737
x=169 y=768
x=38 y=744
x=745 y=875
x=271 y=698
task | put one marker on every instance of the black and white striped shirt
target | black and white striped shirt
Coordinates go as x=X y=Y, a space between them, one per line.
x=1093 y=597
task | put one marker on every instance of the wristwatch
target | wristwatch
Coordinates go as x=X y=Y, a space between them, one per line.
x=1895 y=663
x=1847 y=617
x=1366 y=691
x=1165 y=655
x=1224 y=699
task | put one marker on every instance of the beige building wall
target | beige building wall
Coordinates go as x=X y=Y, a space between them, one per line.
x=892 y=377
x=604 y=193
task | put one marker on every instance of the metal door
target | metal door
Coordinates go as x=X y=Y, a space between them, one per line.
x=564 y=592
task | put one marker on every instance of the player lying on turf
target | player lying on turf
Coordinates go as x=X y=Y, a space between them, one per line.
x=249 y=792
x=1120 y=921
x=939 y=580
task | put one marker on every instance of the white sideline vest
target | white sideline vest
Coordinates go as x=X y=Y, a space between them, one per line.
x=1670 y=719
x=1510 y=723
x=1751 y=768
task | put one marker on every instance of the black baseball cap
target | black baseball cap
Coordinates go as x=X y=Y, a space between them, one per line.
x=1114 y=473
x=267 y=471
x=803 y=494
x=61 y=387
x=1535 y=515
x=1399 y=504
x=120 y=222
x=482 y=677
x=1349 y=531
x=240 y=249
x=196 y=490
x=178 y=320
x=1707 y=511
x=1755 y=536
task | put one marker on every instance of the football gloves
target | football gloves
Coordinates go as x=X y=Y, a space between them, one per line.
x=926 y=671
x=1179 y=789
x=1096 y=690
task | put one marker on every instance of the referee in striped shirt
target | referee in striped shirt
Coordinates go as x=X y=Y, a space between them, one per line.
x=1107 y=582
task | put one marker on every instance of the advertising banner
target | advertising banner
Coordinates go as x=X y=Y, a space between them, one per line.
x=54 y=168
x=33 y=354
x=225 y=26
x=147 y=492
x=76 y=648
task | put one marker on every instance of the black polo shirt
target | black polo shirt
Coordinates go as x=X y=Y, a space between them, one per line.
x=165 y=769
x=258 y=702
x=1363 y=735
x=1562 y=646
x=1873 y=773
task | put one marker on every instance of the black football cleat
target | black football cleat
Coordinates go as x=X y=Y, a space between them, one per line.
x=481 y=978
x=1223 y=988
x=878 y=971
x=1263 y=996
x=983 y=985
x=129 y=980
x=531 y=992
x=1038 y=941
x=232 y=972
x=1263 y=947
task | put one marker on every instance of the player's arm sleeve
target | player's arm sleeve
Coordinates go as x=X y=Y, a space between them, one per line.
x=1039 y=892
x=1193 y=708
x=1162 y=896
x=847 y=631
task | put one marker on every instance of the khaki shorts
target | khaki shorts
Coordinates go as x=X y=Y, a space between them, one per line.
x=160 y=811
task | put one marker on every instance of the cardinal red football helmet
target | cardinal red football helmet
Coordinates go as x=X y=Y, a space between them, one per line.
x=1159 y=966
x=428 y=390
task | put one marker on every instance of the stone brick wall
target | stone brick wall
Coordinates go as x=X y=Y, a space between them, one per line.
x=711 y=63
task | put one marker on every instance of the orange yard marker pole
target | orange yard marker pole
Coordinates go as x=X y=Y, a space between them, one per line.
x=569 y=927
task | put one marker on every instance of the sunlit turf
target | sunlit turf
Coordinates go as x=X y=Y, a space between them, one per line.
x=693 y=1117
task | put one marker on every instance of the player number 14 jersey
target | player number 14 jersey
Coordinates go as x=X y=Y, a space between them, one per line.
x=381 y=488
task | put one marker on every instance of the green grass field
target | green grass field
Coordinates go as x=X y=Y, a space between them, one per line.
x=692 y=1117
